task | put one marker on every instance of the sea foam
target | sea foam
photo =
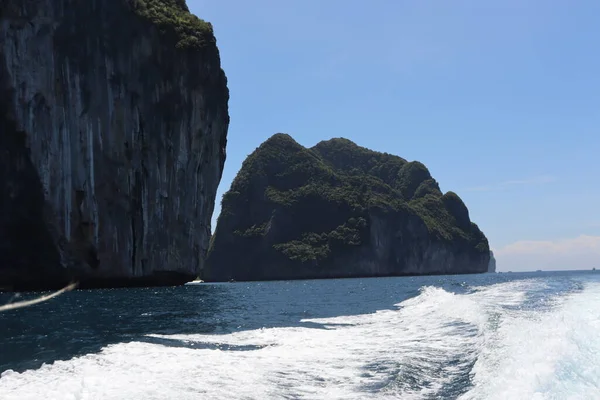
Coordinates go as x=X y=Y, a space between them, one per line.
x=484 y=344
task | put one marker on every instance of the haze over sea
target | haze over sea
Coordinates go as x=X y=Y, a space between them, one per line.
x=489 y=336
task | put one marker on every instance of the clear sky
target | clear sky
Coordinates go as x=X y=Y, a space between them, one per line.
x=500 y=99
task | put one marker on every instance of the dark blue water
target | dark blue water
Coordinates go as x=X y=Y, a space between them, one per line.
x=413 y=337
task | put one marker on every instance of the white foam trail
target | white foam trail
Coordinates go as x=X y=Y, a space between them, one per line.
x=297 y=362
x=551 y=355
x=411 y=352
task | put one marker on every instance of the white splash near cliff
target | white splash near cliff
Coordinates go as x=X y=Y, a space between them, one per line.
x=126 y=132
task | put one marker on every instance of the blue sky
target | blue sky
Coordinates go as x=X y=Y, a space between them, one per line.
x=500 y=99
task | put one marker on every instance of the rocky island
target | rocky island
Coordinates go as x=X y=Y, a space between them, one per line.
x=339 y=210
x=113 y=125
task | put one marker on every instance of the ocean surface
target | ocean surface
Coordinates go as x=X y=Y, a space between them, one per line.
x=491 y=336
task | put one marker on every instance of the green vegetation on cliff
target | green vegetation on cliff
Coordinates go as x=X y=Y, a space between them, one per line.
x=316 y=202
x=173 y=17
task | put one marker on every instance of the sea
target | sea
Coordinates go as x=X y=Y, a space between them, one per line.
x=489 y=336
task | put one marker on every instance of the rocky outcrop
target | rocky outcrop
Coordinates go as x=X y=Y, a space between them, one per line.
x=492 y=263
x=339 y=210
x=114 y=117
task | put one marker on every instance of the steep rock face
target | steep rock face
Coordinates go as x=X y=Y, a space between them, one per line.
x=492 y=263
x=339 y=210
x=114 y=119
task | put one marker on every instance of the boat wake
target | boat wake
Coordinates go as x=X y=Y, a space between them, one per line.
x=514 y=340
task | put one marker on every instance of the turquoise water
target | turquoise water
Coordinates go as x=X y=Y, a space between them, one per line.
x=490 y=336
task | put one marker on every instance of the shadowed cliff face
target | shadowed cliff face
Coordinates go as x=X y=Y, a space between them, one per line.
x=492 y=263
x=339 y=210
x=116 y=126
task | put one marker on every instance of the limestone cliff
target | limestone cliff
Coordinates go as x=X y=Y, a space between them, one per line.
x=492 y=263
x=339 y=210
x=113 y=118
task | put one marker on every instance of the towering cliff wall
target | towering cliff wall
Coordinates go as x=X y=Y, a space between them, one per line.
x=339 y=210
x=114 y=116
